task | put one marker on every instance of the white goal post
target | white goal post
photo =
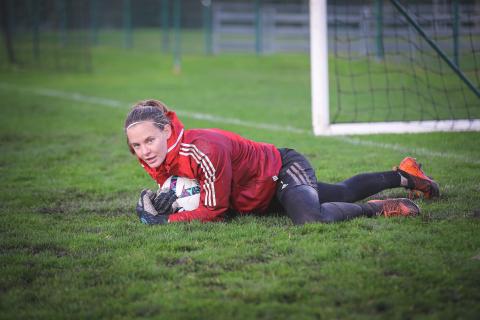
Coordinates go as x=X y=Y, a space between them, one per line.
x=320 y=92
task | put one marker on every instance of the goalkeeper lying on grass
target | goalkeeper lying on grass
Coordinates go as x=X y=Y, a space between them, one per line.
x=248 y=177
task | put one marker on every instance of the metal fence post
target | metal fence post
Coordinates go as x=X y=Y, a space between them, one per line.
x=177 y=46
x=207 y=25
x=62 y=14
x=215 y=28
x=258 y=26
x=379 y=28
x=94 y=22
x=10 y=10
x=127 y=24
x=33 y=8
x=165 y=26
x=455 y=27
x=6 y=19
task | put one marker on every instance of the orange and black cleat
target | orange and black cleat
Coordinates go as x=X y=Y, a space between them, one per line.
x=395 y=207
x=418 y=182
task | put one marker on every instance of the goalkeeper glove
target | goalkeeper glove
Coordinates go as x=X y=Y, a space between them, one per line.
x=163 y=201
x=147 y=218
x=146 y=210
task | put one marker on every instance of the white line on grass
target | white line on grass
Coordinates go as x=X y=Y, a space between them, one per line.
x=257 y=125
x=416 y=151
x=72 y=96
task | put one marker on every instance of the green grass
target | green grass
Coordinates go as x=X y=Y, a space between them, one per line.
x=72 y=247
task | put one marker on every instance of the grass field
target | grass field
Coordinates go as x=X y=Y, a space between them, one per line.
x=72 y=247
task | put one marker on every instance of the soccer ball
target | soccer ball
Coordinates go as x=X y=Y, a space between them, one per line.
x=187 y=191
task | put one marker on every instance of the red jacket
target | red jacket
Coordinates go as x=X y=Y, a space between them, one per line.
x=233 y=172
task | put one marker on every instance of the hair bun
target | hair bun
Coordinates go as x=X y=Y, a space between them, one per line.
x=152 y=103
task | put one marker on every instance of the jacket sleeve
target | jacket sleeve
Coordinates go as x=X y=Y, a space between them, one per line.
x=213 y=167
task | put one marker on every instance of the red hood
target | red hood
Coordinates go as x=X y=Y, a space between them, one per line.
x=173 y=144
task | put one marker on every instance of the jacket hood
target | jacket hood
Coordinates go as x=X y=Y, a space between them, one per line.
x=173 y=144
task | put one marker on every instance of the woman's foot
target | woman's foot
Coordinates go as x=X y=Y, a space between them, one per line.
x=418 y=182
x=395 y=207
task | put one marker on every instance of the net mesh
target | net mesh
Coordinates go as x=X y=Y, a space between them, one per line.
x=381 y=69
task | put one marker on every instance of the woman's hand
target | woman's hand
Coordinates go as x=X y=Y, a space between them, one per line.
x=163 y=201
x=154 y=208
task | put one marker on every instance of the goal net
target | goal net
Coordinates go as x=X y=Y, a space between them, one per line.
x=395 y=66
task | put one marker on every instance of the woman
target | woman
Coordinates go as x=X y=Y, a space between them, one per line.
x=245 y=176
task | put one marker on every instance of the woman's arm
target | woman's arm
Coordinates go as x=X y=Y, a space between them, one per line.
x=214 y=173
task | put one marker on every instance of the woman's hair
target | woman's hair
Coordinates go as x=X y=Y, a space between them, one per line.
x=147 y=110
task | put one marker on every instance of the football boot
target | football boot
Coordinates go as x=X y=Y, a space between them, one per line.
x=418 y=182
x=395 y=207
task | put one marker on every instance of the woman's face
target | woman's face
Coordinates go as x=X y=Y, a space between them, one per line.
x=149 y=142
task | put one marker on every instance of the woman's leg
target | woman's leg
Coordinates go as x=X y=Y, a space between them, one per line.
x=360 y=186
x=408 y=174
x=302 y=205
x=297 y=193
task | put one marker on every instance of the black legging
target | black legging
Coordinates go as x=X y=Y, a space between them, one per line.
x=358 y=187
x=307 y=200
x=333 y=202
